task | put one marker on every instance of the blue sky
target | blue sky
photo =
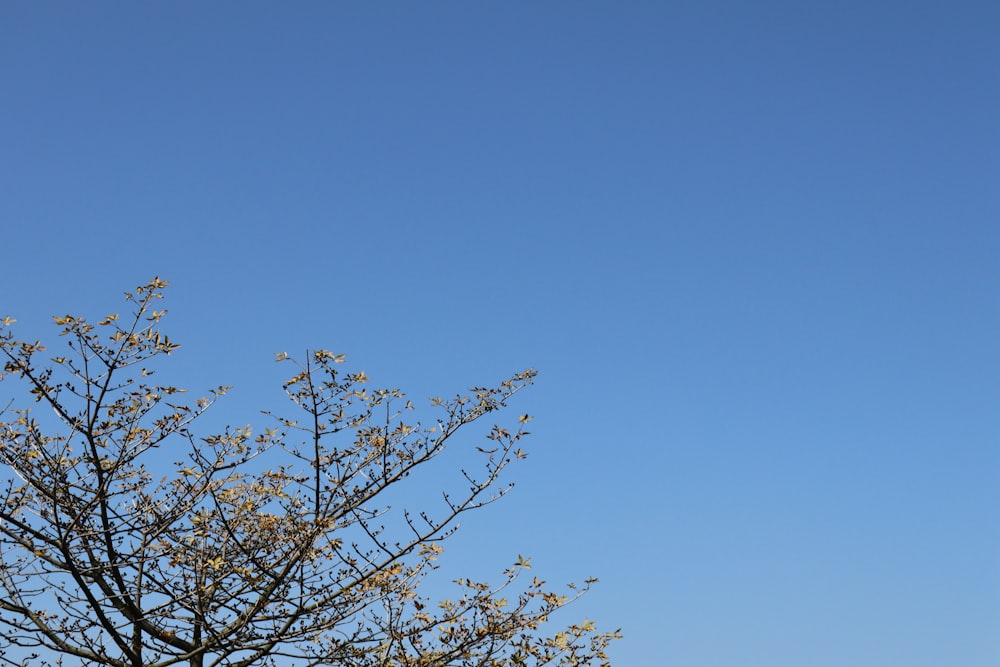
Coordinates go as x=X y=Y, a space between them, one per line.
x=751 y=248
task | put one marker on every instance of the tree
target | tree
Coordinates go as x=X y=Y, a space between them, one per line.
x=271 y=549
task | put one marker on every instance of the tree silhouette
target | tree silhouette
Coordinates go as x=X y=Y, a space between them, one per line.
x=269 y=548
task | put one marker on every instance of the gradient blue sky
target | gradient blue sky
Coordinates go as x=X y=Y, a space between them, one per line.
x=752 y=248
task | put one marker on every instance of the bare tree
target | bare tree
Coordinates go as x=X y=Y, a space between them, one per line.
x=276 y=548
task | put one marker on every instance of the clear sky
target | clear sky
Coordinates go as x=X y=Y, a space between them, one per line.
x=751 y=247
